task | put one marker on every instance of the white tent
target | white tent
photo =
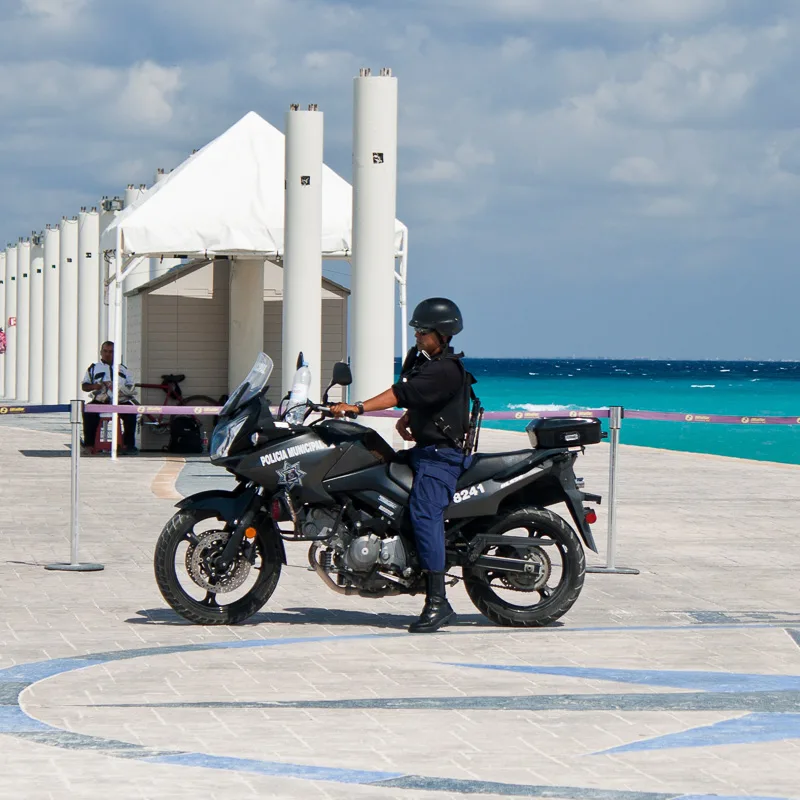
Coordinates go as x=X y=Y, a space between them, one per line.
x=227 y=199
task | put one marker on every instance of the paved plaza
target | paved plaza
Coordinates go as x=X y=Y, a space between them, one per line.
x=680 y=682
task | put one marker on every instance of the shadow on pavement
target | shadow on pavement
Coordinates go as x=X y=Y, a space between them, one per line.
x=310 y=616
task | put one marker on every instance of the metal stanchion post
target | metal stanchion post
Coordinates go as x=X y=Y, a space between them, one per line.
x=614 y=425
x=75 y=415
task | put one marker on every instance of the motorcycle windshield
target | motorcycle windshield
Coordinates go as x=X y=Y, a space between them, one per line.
x=255 y=381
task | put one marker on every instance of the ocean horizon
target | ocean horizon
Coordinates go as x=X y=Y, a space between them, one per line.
x=743 y=388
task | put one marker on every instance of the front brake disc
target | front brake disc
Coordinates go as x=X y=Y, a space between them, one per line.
x=209 y=546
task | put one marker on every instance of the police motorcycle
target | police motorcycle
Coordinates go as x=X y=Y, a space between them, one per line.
x=339 y=486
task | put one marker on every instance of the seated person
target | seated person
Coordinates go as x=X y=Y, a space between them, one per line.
x=98 y=381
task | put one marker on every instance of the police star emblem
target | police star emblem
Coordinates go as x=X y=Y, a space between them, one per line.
x=290 y=475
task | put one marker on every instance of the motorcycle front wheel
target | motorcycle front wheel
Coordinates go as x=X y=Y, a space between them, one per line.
x=530 y=600
x=183 y=568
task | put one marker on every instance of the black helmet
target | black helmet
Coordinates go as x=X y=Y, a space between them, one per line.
x=439 y=314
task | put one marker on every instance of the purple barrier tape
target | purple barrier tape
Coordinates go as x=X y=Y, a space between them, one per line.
x=601 y=413
x=33 y=409
x=724 y=419
x=105 y=408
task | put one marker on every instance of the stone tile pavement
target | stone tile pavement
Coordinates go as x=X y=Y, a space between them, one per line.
x=683 y=681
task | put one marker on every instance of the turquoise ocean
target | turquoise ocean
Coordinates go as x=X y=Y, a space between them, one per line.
x=741 y=388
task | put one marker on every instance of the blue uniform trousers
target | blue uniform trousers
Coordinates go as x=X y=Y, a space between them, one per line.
x=436 y=472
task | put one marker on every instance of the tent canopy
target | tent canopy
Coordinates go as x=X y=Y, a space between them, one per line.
x=228 y=199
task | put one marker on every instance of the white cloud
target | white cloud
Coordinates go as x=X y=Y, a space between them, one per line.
x=669 y=206
x=57 y=11
x=466 y=158
x=148 y=95
x=142 y=94
x=579 y=11
x=437 y=171
x=471 y=156
x=515 y=48
x=693 y=79
x=638 y=171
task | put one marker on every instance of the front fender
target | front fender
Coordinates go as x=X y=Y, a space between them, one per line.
x=230 y=507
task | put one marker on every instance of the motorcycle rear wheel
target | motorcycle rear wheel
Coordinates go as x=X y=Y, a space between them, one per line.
x=554 y=602
x=207 y=611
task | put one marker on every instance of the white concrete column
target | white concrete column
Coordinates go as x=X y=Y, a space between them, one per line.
x=246 y=317
x=109 y=208
x=36 y=345
x=23 y=318
x=88 y=287
x=160 y=266
x=3 y=319
x=140 y=275
x=374 y=211
x=131 y=195
x=10 y=324
x=69 y=381
x=52 y=239
x=302 y=243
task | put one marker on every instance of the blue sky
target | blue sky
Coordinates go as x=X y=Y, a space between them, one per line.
x=585 y=177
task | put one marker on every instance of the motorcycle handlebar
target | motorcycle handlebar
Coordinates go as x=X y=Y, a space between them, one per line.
x=326 y=411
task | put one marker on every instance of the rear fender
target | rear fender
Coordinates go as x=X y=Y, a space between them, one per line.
x=574 y=499
x=230 y=507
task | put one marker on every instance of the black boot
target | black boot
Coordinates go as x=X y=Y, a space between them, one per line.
x=437 y=611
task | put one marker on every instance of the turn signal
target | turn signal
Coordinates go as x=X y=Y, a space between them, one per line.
x=589 y=515
x=276 y=510
x=250 y=533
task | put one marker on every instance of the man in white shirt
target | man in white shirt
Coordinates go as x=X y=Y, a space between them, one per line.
x=98 y=381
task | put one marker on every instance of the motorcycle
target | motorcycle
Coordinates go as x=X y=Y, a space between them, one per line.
x=339 y=486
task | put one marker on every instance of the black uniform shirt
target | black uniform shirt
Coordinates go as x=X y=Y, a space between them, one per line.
x=425 y=387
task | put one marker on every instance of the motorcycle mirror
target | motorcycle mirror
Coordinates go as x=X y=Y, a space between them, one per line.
x=341 y=374
x=341 y=377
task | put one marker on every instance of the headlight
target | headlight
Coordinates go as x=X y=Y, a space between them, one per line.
x=224 y=436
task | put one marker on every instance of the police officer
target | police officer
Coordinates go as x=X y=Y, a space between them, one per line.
x=435 y=389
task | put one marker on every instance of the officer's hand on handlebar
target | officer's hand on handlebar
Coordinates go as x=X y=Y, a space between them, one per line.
x=344 y=410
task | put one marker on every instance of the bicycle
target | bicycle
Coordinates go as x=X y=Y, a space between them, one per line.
x=171 y=386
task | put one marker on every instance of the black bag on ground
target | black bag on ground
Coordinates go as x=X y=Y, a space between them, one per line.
x=185 y=435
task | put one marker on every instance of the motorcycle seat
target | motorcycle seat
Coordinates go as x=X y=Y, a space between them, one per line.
x=483 y=467
x=490 y=465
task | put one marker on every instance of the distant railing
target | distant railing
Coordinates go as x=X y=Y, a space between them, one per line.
x=510 y=416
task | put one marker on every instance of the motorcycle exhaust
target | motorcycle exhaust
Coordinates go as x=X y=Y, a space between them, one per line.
x=317 y=567
x=345 y=590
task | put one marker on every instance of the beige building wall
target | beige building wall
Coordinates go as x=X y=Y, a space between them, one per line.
x=334 y=327
x=182 y=328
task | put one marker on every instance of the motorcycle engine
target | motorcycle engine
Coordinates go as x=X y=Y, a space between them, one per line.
x=356 y=551
x=318 y=523
x=366 y=552
x=362 y=553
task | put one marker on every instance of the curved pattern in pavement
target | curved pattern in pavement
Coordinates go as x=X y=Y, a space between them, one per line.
x=767 y=696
